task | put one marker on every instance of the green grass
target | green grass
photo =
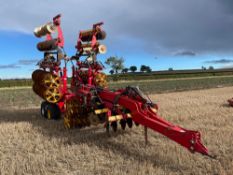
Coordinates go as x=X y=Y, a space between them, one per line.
x=15 y=83
x=18 y=97
x=158 y=86
x=9 y=96
x=167 y=75
x=138 y=76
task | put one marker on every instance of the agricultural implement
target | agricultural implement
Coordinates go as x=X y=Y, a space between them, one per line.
x=88 y=100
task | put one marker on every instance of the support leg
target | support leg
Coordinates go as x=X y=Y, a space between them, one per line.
x=145 y=134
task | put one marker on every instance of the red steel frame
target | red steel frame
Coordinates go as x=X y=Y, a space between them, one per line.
x=145 y=116
x=60 y=38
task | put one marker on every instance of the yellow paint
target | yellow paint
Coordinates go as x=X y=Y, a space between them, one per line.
x=66 y=123
x=100 y=111
x=154 y=110
x=49 y=114
x=117 y=117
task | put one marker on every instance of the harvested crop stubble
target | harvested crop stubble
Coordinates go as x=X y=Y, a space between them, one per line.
x=33 y=145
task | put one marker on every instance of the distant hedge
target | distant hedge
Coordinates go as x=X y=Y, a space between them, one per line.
x=153 y=76
x=134 y=76
x=15 y=82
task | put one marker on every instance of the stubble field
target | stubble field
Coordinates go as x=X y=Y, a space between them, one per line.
x=30 y=144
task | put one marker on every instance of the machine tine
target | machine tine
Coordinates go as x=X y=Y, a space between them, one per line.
x=214 y=157
x=143 y=115
x=114 y=126
x=123 y=124
x=129 y=122
x=145 y=135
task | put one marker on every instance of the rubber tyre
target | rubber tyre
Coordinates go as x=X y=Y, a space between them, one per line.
x=53 y=112
x=43 y=109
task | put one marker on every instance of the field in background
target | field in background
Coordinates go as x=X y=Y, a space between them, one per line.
x=171 y=74
x=33 y=145
x=155 y=86
x=226 y=74
x=181 y=84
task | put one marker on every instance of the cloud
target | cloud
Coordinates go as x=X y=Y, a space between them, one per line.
x=158 y=26
x=17 y=65
x=185 y=53
x=9 y=66
x=230 y=66
x=28 y=62
x=220 y=61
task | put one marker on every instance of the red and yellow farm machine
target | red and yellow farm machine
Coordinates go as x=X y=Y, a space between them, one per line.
x=87 y=99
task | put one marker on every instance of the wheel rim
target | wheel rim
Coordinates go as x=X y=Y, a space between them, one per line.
x=49 y=114
x=42 y=111
x=51 y=81
x=53 y=95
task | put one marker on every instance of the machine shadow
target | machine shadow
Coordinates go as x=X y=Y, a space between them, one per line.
x=91 y=136
x=226 y=105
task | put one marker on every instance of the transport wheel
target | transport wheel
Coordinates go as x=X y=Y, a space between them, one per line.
x=129 y=122
x=52 y=112
x=114 y=126
x=123 y=124
x=43 y=109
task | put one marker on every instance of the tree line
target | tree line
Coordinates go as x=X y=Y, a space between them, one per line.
x=117 y=66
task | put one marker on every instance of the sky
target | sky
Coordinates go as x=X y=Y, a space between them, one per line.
x=162 y=34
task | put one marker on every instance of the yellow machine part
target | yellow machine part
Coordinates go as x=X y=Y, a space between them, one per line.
x=44 y=30
x=118 y=117
x=45 y=79
x=101 y=80
x=74 y=116
x=47 y=86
